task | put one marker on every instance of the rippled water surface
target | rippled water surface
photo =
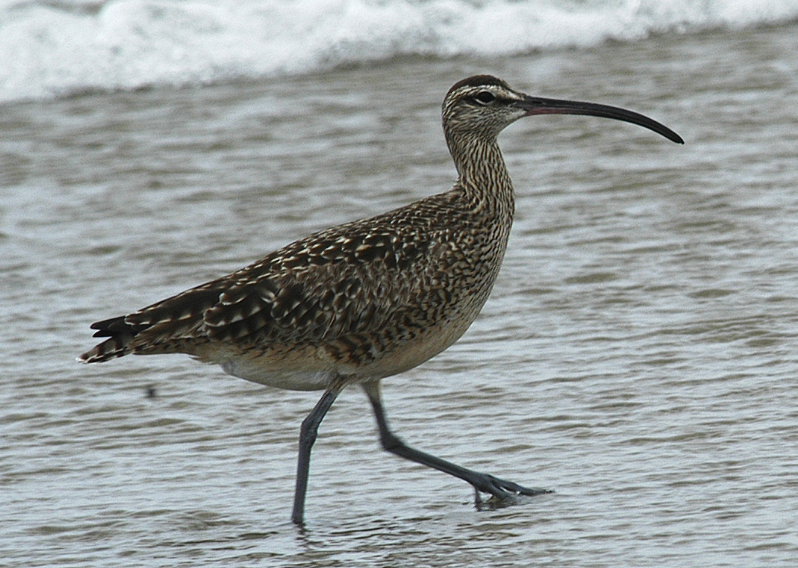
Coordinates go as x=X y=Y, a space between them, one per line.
x=638 y=354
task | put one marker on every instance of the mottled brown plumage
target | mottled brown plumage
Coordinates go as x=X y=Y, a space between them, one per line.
x=368 y=299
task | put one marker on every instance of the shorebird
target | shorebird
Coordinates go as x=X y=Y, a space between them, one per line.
x=362 y=301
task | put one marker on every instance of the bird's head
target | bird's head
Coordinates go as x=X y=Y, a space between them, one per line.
x=482 y=106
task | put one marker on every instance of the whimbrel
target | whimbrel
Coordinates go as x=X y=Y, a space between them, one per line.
x=362 y=301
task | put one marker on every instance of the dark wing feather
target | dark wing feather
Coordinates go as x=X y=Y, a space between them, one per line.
x=346 y=281
x=317 y=290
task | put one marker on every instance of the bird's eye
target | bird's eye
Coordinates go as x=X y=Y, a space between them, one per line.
x=485 y=97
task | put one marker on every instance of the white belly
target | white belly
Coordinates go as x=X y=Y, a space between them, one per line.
x=256 y=372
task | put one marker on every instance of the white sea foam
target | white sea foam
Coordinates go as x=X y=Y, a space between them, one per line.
x=51 y=47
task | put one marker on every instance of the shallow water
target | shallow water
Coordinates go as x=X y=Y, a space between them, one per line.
x=637 y=354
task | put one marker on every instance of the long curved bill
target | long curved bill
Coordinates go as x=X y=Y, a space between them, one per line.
x=539 y=105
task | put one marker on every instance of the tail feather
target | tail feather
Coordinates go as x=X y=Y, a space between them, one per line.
x=164 y=326
x=119 y=334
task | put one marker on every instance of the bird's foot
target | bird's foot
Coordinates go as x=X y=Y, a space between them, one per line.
x=503 y=493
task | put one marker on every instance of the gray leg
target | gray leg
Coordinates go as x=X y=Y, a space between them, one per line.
x=307 y=436
x=499 y=488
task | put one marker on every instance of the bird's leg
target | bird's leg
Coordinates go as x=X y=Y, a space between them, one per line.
x=307 y=436
x=482 y=482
